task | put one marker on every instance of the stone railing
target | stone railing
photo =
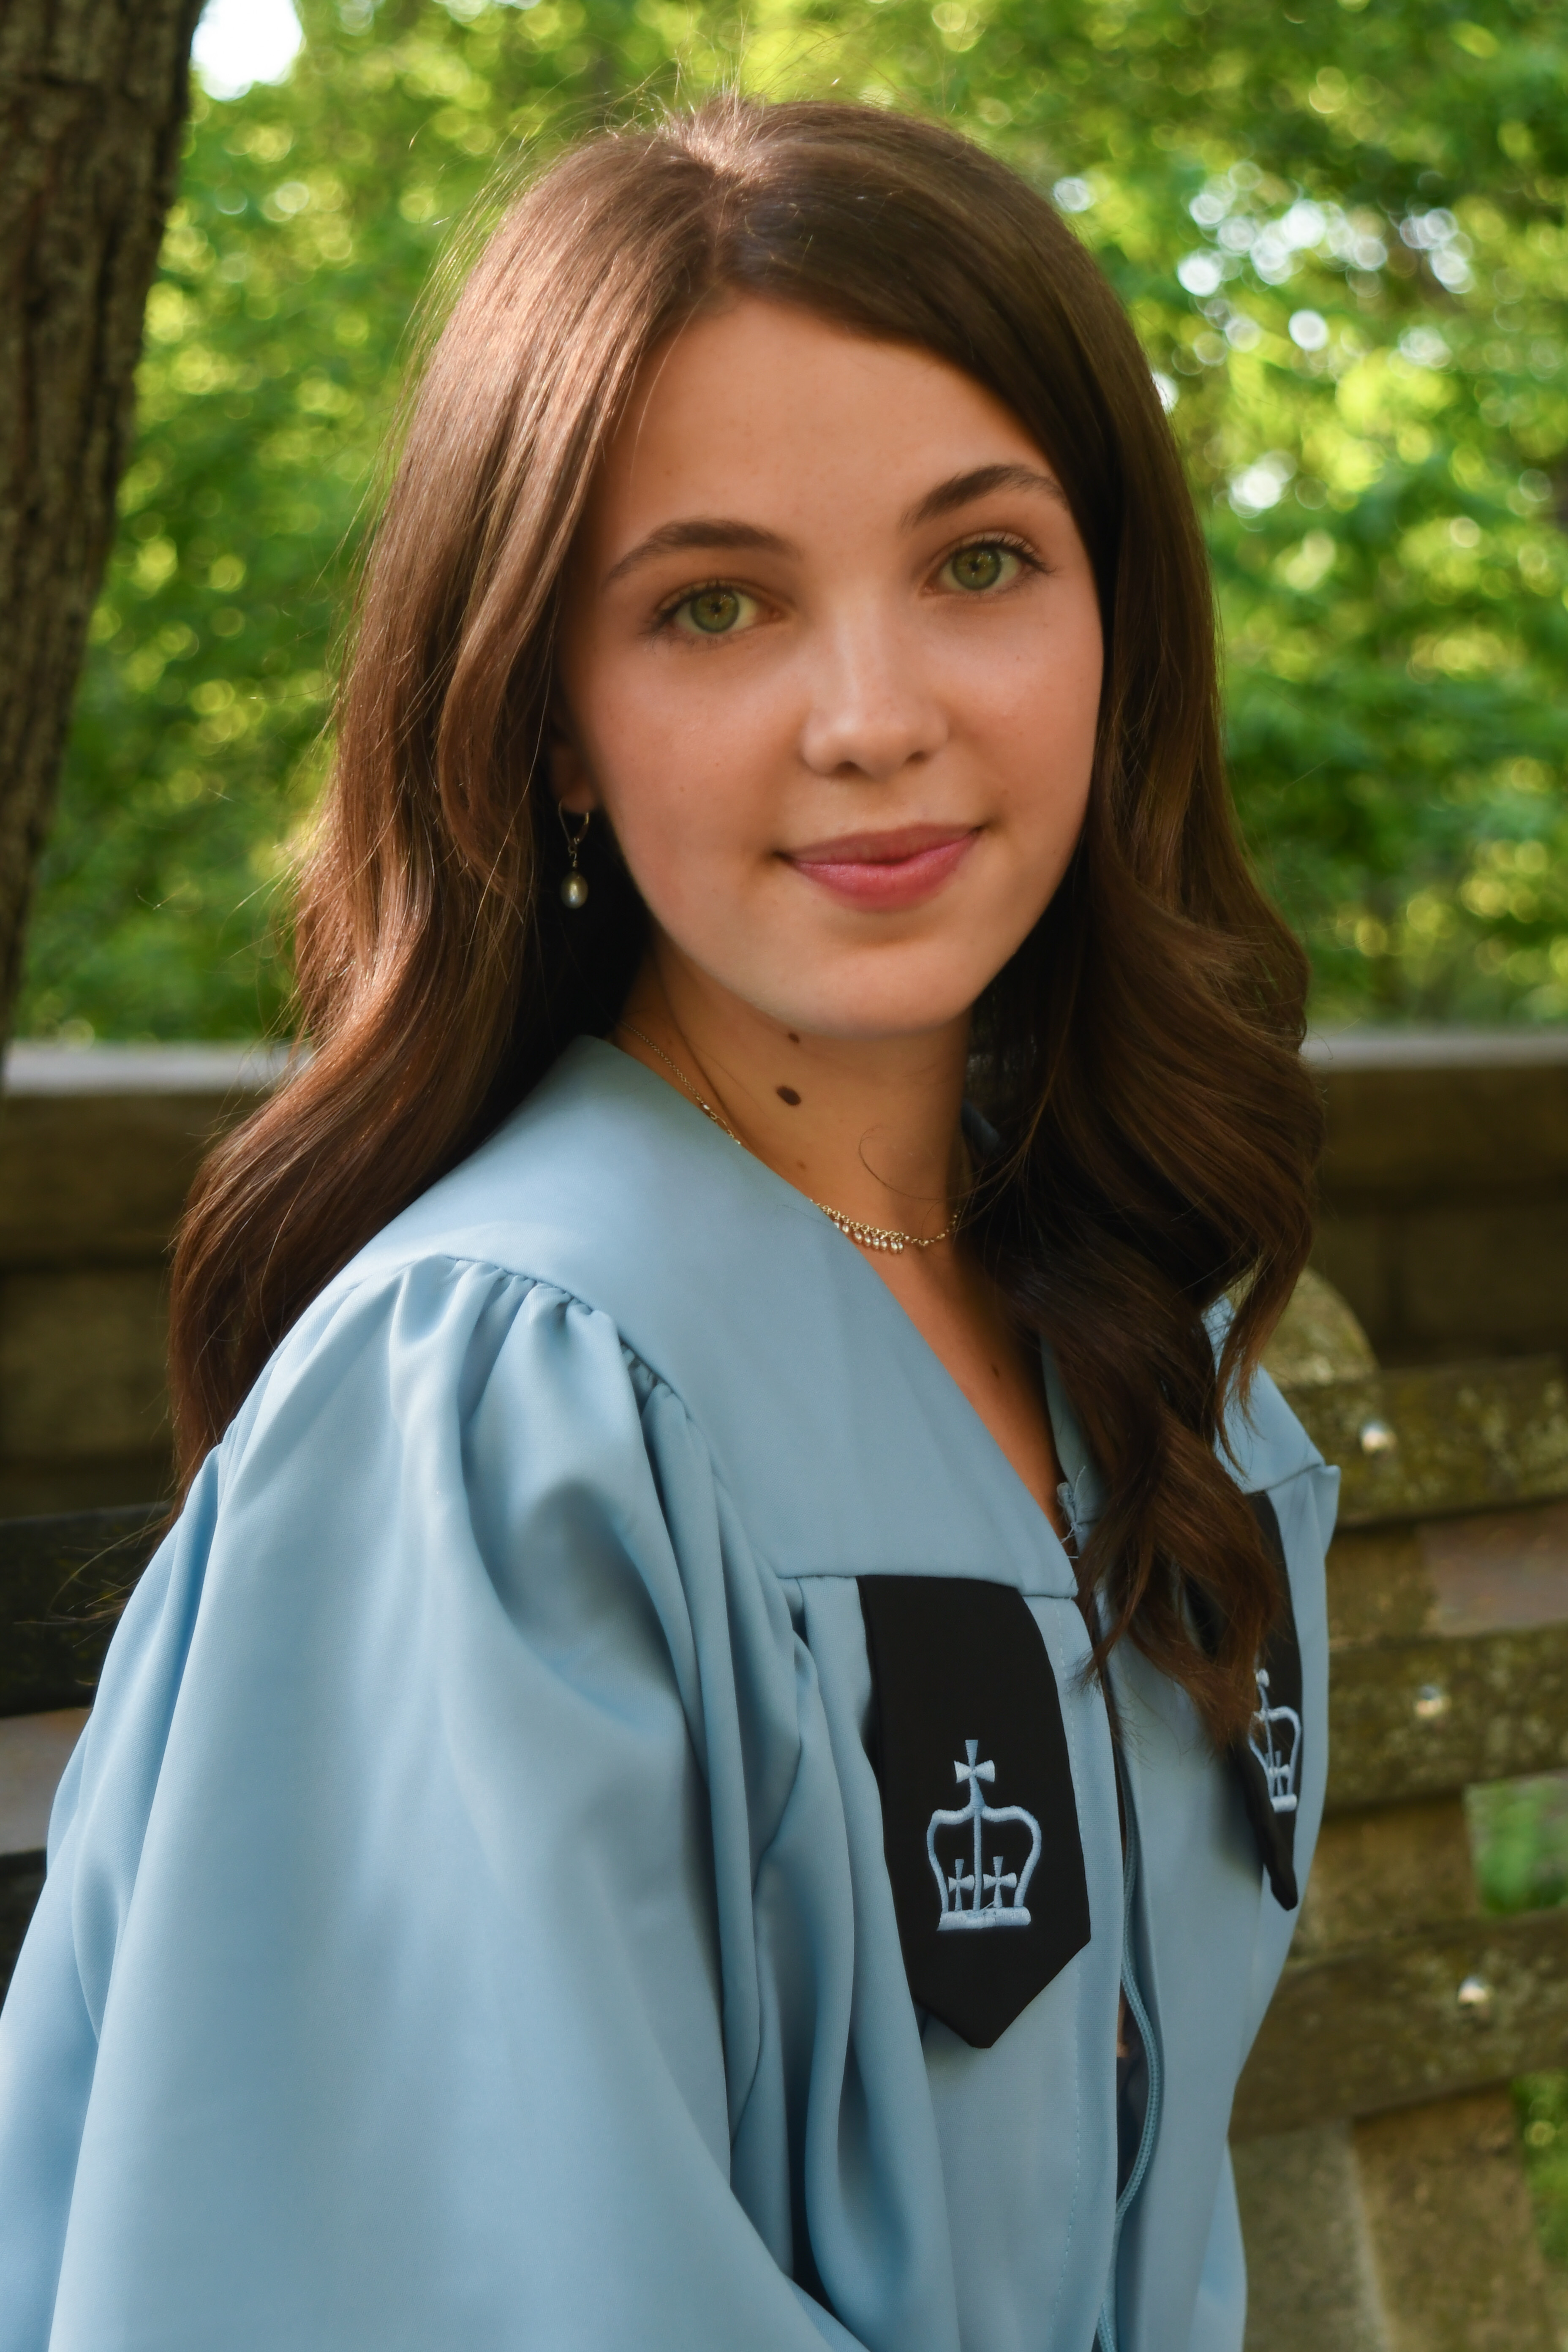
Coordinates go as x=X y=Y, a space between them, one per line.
x=1377 y=2158
x=1445 y=1189
x=97 y=1153
x=1445 y=1224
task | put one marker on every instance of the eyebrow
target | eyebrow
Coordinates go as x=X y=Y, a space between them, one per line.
x=962 y=489
x=699 y=531
x=718 y=531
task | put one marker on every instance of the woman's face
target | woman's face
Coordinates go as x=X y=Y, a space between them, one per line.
x=830 y=668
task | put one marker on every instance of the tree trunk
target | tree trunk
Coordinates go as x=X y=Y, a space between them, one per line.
x=92 y=101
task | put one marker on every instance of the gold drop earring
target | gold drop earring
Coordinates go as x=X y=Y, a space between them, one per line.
x=574 y=884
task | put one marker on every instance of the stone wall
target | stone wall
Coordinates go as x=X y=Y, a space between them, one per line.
x=1444 y=1190
x=97 y=1152
x=1445 y=1225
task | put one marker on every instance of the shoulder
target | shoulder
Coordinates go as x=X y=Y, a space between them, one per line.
x=423 y=1379
x=527 y=1285
x=1265 y=1440
x=517 y=1245
x=1272 y=1454
x=553 y=1173
x=608 y=1186
x=1269 y=1453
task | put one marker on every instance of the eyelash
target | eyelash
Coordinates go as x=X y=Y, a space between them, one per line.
x=667 y=611
x=1006 y=539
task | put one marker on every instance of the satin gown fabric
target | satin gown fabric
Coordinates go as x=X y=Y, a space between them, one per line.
x=467 y=1920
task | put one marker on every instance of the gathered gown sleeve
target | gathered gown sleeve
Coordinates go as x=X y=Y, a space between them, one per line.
x=389 y=1990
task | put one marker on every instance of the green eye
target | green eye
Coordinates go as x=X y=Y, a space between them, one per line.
x=975 y=569
x=714 y=612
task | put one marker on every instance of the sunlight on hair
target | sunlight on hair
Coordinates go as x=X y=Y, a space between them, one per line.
x=240 y=42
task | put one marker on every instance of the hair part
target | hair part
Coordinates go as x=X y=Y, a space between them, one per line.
x=1139 y=1054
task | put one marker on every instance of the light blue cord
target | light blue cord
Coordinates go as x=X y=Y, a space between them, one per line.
x=1105 y=2334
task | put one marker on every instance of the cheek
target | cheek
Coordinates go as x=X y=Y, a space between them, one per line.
x=683 y=774
x=1038 y=729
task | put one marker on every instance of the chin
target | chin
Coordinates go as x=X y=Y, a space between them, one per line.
x=862 y=1014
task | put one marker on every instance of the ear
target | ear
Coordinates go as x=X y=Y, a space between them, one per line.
x=571 y=780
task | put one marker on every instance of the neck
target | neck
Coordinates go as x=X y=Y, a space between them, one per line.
x=868 y=1127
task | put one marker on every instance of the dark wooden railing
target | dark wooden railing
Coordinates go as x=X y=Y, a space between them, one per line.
x=63 y=1583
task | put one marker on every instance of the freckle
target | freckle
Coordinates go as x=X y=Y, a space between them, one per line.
x=788 y=1095
x=793 y=1037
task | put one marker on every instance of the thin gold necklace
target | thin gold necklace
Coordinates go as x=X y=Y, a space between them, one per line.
x=877 y=1237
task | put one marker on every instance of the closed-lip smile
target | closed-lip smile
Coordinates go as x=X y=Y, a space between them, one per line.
x=886 y=870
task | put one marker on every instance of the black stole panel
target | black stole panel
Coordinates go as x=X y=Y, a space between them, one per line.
x=1266 y=1762
x=979 y=1818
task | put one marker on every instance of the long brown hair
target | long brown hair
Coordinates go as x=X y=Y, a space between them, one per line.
x=1139 y=1055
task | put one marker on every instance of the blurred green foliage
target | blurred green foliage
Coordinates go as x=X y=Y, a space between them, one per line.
x=1519 y=1836
x=1541 y=2102
x=1341 y=230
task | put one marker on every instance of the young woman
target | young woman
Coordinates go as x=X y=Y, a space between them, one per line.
x=722 y=1754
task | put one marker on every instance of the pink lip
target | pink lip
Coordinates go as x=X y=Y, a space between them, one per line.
x=886 y=870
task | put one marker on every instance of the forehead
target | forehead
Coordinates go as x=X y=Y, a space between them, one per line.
x=761 y=404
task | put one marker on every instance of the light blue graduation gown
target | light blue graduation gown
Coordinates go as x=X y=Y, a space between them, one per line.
x=467 y=1922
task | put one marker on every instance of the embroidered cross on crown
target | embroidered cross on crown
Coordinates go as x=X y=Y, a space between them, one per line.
x=1279 y=1756
x=970 y=1875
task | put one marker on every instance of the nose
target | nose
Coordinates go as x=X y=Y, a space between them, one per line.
x=872 y=709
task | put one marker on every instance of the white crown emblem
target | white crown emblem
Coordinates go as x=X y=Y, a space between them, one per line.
x=985 y=1879
x=1279 y=1755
